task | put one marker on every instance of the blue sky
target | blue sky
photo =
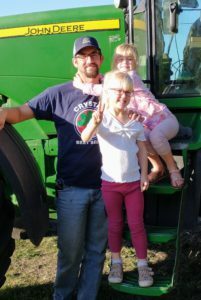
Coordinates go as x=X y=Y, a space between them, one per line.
x=14 y=7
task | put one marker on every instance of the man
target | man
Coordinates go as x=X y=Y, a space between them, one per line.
x=82 y=227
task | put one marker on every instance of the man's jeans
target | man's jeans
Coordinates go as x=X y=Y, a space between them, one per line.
x=82 y=238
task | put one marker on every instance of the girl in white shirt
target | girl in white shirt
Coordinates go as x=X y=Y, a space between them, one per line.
x=124 y=171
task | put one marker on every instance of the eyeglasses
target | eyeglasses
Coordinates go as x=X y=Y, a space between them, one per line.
x=124 y=58
x=120 y=92
x=93 y=56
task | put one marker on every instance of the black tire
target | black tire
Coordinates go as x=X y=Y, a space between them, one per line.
x=22 y=174
x=7 y=243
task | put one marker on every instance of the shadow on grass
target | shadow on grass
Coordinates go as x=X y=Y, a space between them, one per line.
x=45 y=291
x=36 y=292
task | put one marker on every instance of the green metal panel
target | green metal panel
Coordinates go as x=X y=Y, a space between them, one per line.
x=156 y=234
x=36 y=52
x=30 y=63
x=33 y=58
x=180 y=103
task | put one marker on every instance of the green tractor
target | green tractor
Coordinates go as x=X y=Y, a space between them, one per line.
x=36 y=52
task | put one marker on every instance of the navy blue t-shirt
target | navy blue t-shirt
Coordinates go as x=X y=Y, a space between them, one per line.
x=79 y=163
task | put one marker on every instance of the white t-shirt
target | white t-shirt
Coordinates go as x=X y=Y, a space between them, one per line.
x=118 y=147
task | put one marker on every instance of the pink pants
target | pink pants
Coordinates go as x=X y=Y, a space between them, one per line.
x=114 y=195
x=163 y=132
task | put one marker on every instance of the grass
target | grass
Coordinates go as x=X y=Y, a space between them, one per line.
x=32 y=272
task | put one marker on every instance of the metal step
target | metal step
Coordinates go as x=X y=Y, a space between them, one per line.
x=163 y=187
x=162 y=285
x=156 y=234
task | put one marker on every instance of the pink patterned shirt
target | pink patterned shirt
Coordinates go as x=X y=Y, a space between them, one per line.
x=144 y=103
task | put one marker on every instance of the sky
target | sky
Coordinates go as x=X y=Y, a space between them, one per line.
x=14 y=7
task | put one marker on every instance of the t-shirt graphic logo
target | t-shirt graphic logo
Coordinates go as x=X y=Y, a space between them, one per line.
x=83 y=119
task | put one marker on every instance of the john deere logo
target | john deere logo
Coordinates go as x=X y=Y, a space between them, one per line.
x=60 y=28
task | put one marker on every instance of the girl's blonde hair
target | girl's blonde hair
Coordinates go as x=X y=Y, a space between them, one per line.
x=124 y=81
x=125 y=50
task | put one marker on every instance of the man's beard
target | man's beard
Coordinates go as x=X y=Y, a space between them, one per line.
x=93 y=73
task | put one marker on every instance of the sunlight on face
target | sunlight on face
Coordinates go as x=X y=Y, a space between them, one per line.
x=125 y=63
x=119 y=94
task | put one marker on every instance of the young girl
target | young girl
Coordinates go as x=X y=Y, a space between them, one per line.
x=123 y=150
x=159 y=123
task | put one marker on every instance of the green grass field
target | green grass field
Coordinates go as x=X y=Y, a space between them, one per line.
x=32 y=271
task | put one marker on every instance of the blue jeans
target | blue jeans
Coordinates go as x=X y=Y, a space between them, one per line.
x=82 y=239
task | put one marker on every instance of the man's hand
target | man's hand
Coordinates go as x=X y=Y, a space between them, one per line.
x=2 y=117
x=13 y=115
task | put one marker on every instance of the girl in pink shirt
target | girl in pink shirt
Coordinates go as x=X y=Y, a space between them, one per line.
x=159 y=123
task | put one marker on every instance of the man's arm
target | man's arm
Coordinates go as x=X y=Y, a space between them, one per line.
x=15 y=114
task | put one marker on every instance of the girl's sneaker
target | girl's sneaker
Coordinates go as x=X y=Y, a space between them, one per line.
x=116 y=273
x=145 y=276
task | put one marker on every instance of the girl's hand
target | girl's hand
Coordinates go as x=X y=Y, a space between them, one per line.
x=134 y=116
x=97 y=116
x=144 y=183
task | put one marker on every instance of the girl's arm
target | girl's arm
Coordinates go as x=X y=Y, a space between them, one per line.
x=91 y=128
x=87 y=88
x=89 y=131
x=143 y=162
x=140 y=89
x=92 y=89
